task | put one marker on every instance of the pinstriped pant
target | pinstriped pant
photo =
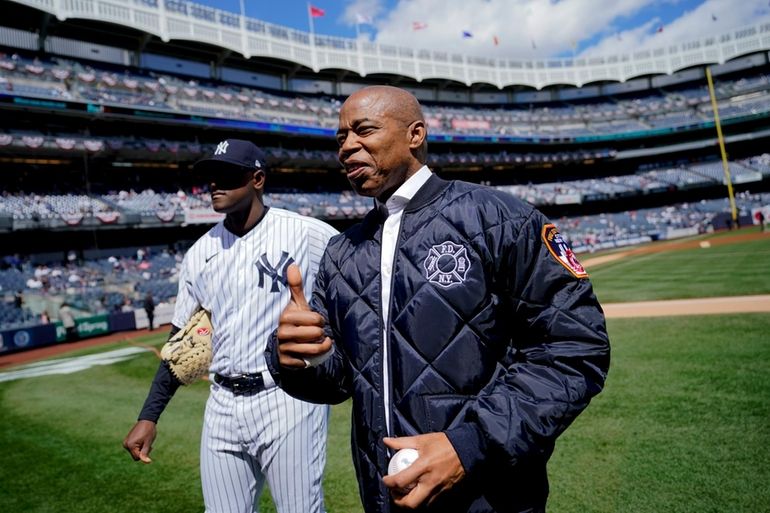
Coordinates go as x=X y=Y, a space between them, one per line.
x=271 y=436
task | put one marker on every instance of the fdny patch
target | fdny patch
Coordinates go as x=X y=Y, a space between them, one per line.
x=562 y=252
x=447 y=264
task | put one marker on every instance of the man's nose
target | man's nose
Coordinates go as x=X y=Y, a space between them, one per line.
x=349 y=146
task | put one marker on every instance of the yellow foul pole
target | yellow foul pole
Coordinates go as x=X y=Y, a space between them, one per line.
x=725 y=166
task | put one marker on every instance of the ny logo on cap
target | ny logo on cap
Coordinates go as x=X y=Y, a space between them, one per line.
x=221 y=148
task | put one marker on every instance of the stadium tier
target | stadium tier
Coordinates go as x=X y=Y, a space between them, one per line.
x=62 y=79
x=101 y=120
x=110 y=283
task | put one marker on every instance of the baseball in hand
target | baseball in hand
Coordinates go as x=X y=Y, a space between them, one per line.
x=402 y=459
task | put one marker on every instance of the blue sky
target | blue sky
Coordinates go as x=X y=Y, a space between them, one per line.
x=515 y=28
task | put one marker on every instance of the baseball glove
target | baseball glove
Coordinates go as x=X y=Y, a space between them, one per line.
x=188 y=352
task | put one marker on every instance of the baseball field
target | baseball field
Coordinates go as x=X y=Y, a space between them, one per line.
x=683 y=424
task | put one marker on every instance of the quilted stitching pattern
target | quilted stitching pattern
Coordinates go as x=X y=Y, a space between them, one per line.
x=449 y=342
x=464 y=322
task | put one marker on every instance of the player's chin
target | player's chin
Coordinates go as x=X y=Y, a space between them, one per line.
x=221 y=205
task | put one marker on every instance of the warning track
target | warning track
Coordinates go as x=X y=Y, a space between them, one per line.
x=700 y=306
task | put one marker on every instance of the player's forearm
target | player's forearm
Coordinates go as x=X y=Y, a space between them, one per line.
x=163 y=387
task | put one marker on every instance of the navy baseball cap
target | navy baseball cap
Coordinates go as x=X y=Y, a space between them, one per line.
x=233 y=153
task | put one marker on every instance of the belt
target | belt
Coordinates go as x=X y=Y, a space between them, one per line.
x=241 y=384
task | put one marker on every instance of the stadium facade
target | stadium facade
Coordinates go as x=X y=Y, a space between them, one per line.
x=105 y=105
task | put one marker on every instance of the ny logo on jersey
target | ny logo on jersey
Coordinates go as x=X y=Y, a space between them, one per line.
x=221 y=148
x=277 y=273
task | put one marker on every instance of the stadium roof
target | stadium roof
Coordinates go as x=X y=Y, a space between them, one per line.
x=187 y=21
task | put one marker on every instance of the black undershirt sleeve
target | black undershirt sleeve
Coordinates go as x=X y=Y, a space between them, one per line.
x=163 y=387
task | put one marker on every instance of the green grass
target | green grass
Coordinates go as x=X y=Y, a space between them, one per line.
x=61 y=437
x=726 y=270
x=682 y=426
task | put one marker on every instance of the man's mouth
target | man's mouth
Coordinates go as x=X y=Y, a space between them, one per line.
x=355 y=169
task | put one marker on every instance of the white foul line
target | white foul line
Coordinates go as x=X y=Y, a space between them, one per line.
x=71 y=365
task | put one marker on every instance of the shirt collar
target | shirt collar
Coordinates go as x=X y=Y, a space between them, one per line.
x=399 y=199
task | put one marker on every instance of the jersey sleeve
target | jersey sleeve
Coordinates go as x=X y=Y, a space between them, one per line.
x=186 y=303
x=318 y=239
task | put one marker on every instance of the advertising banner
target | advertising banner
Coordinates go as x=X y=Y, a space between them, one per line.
x=27 y=338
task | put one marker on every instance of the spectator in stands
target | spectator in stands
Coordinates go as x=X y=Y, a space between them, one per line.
x=18 y=299
x=68 y=321
x=44 y=317
x=98 y=305
x=126 y=306
x=149 y=307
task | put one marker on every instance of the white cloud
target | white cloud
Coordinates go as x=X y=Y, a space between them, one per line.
x=690 y=26
x=552 y=26
x=356 y=9
x=555 y=26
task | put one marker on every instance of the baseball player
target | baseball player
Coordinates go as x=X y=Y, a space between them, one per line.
x=253 y=431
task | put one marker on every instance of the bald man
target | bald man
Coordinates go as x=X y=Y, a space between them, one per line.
x=454 y=315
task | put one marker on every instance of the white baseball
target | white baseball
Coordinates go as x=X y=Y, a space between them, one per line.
x=401 y=460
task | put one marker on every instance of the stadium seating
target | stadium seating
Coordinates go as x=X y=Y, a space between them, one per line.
x=64 y=79
x=105 y=284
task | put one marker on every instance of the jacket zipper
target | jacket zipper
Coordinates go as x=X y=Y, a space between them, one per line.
x=387 y=389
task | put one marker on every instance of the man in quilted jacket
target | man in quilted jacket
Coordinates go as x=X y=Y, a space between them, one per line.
x=457 y=319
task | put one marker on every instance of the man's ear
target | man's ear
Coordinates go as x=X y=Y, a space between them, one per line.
x=259 y=179
x=417 y=134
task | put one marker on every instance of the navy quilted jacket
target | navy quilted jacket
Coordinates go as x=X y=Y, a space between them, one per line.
x=491 y=340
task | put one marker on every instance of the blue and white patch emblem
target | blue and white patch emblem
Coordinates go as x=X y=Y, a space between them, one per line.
x=447 y=264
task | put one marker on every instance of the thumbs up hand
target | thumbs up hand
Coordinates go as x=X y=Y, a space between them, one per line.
x=301 y=339
x=294 y=280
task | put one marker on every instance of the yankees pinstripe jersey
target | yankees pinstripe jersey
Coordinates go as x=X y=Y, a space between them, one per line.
x=242 y=282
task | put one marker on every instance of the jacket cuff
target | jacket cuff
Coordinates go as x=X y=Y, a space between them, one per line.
x=271 y=357
x=469 y=446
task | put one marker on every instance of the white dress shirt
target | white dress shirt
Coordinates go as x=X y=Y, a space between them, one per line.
x=395 y=205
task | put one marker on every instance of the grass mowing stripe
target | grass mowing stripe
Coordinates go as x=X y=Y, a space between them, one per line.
x=730 y=270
